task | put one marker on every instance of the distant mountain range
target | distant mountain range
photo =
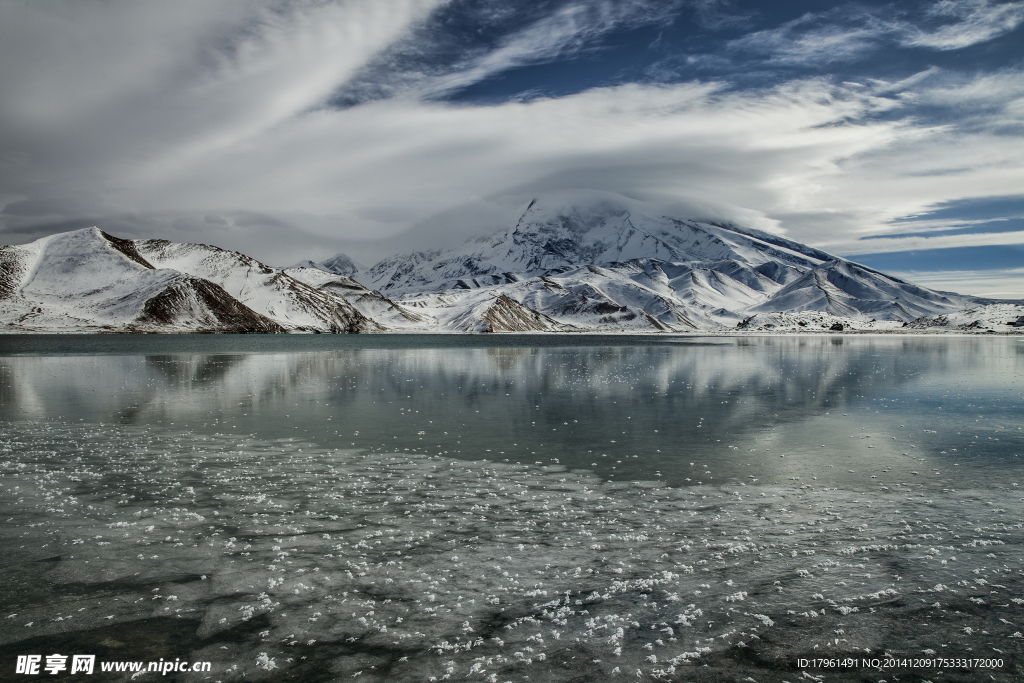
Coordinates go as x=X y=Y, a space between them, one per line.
x=589 y=262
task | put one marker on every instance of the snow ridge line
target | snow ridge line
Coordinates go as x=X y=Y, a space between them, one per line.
x=34 y=268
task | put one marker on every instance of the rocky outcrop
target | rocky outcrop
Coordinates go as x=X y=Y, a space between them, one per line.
x=197 y=305
x=508 y=315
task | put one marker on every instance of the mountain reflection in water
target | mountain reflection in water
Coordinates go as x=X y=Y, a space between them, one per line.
x=641 y=410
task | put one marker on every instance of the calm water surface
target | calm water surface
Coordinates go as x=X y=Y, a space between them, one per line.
x=513 y=508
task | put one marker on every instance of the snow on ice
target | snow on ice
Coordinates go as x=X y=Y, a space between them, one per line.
x=271 y=557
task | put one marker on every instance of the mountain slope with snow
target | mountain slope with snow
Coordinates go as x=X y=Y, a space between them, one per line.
x=371 y=304
x=571 y=261
x=87 y=280
x=268 y=291
x=600 y=261
x=592 y=228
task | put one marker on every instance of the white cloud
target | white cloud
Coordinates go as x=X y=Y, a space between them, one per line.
x=889 y=244
x=1002 y=283
x=566 y=31
x=993 y=101
x=805 y=40
x=938 y=227
x=806 y=153
x=974 y=21
x=850 y=32
x=573 y=28
x=158 y=85
x=415 y=159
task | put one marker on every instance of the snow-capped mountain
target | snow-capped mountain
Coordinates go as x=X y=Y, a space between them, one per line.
x=339 y=264
x=584 y=261
x=87 y=280
x=595 y=260
x=584 y=228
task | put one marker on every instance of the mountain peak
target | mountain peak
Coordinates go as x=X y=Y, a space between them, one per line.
x=339 y=264
x=584 y=227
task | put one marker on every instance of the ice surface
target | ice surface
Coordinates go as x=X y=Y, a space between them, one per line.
x=279 y=558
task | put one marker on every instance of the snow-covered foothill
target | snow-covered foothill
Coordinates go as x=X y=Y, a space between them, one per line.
x=89 y=281
x=370 y=303
x=268 y=291
x=999 y=317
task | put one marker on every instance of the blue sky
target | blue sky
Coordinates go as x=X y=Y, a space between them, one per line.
x=889 y=133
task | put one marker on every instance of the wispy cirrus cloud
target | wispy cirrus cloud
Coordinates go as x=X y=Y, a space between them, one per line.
x=87 y=82
x=938 y=241
x=569 y=31
x=431 y=63
x=958 y=24
x=832 y=36
x=850 y=32
x=998 y=283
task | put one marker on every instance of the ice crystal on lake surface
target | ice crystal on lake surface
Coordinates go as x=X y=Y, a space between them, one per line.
x=282 y=560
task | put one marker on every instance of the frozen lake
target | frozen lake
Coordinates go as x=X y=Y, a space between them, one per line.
x=416 y=508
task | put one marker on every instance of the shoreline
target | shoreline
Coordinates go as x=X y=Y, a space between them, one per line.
x=567 y=333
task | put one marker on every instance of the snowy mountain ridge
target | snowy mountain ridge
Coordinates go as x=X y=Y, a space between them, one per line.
x=87 y=280
x=590 y=260
x=595 y=228
x=585 y=262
